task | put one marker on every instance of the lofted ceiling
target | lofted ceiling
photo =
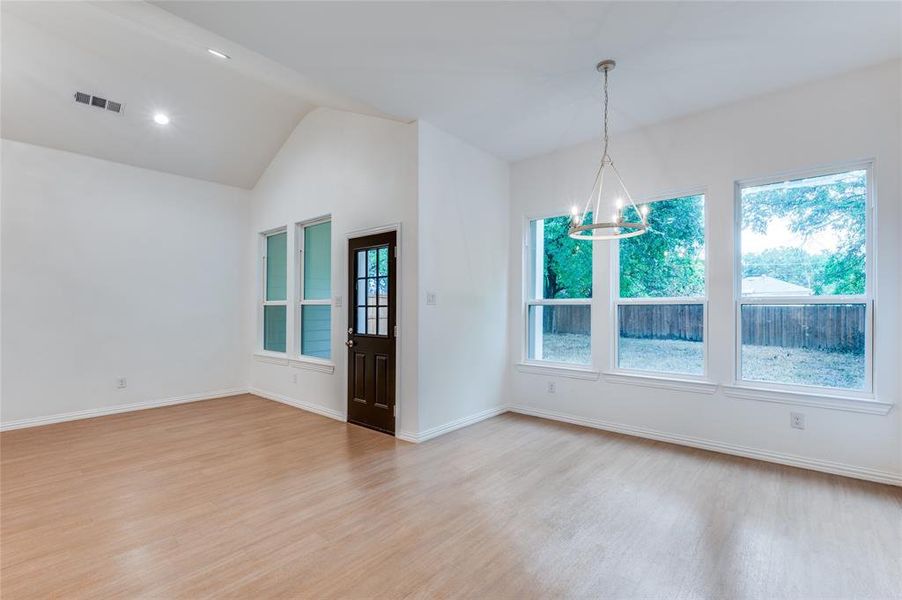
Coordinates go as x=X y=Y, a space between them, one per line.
x=228 y=118
x=518 y=78
x=514 y=78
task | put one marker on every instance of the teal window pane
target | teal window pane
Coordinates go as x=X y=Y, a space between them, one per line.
x=276 y=266
x=318 y=261
x=274 y=328
x=316 y=329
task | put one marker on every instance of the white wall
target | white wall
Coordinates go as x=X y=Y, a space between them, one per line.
x=462 y=213
x=110 y=270
x=362 y=171
x=849 y=117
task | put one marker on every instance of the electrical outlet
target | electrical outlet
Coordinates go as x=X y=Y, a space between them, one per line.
x=797 y=420
x=551 y=387
x=121 y=383
x=294 y=377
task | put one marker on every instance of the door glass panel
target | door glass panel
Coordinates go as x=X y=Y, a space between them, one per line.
x=361 y=263
x=370 y=320
x=371 y=263
x=361 y=292
x=383 y=261
x=318 y=261
x=361 y=320
x=371 y=292
x=383 y=320
x=383 y=291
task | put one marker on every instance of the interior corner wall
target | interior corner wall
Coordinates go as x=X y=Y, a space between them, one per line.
x=113 y=271
x=847 y=118
x=362 y=171
x=463 y=266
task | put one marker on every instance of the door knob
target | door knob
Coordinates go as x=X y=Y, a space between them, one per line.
x=349 y=343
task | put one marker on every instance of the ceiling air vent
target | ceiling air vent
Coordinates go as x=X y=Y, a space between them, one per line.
x=103 y=103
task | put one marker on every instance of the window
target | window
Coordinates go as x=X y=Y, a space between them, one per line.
x=805 y=306
x=660 y=298
x=558 y=302
x=275 y=290
x=314 y=295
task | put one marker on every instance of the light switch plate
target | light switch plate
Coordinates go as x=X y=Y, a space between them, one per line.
x=430 y=298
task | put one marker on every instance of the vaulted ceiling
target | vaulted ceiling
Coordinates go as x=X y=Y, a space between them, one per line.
x=228 y=118
x=514 y=78
x=519 y=79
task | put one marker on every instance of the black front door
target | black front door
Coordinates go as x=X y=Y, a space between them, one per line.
x=371 y=331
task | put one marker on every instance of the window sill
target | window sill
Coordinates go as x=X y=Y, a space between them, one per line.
x=558 y=370
x=661 y=381
x=313 y=364
x=273 y=358
x=836 y=402
x=303 y=362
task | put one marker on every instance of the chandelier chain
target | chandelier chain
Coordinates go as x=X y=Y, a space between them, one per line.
x=604 y=154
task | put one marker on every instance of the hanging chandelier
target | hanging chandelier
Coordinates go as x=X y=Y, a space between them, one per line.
x=619 y=227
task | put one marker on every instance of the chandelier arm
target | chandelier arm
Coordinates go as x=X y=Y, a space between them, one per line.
x=591 y=193
x=627 y=192
x=595 y=216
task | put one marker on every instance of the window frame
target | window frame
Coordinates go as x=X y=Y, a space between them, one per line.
x=617 y=301
x=262 y=302
x=867 y=298
x=528 y=299
x=298 y=291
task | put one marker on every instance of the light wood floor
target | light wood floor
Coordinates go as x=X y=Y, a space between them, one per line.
x=242 y=497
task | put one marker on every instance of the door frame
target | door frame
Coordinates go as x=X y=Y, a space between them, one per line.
x=399 y=311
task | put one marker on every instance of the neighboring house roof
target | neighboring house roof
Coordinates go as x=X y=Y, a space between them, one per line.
x=762 y=285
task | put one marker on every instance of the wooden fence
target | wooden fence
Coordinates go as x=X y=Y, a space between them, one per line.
x=662 y=321
x=833 y=327
x=567 y=318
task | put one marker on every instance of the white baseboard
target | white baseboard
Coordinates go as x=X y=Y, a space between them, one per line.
x=791 y=460
x=119 y=408
x=308 y=406
x=428 y=434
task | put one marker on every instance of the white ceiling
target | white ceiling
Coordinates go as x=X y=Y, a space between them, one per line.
x=518 y=79
x=515 y=78
x=229 y=118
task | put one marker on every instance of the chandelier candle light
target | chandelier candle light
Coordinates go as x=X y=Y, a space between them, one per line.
x=616 y=228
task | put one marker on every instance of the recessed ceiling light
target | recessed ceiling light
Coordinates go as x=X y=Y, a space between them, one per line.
x=161 y=119
x=218 y=54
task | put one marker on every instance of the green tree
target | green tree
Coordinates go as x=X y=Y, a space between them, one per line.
x=668 y=260
x=819 y=204
x=568 y=262
x=787 y=264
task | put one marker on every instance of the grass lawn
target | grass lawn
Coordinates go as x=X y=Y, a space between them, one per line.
x=759 y=363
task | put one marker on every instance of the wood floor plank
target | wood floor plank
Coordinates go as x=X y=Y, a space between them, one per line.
x=246 y=498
